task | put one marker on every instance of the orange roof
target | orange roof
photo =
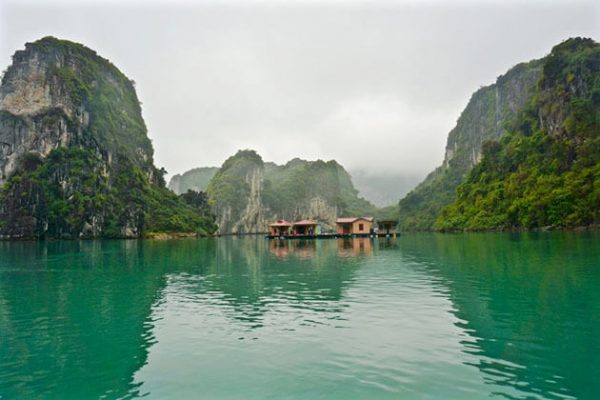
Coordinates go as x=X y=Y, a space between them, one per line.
x=350 y=220
x=281 y=222
x=305 y=222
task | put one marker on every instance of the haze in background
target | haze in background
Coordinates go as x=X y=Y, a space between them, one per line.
x=376 y=86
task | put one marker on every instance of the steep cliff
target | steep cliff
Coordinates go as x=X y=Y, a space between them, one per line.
x=545 y=171
x=247 y=193
x=196 y=179
x=75 y=158
x=489 y=111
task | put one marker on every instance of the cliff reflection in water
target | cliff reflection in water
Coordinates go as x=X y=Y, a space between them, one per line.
x=530 y=301
x=467 y=316
x=253 y=276
x=75 y=312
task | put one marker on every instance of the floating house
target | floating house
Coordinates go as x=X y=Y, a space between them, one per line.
x=306 y=227
x=354 y=225
x=387 y=228
x=280 y=228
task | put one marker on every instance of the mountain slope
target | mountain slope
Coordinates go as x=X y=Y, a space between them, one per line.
x=247 y=193
x=75 y=158
x=196 y=179
x=488 y=112
x=546 y=170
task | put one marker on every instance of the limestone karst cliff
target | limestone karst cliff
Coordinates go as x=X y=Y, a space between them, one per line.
x=247 y=193
x=545 y=171
x=75 y=158
x=485 y=117
x=524 y=152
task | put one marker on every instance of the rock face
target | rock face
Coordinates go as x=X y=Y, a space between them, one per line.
x=486 y=116
x=545 y=171
x=488 y=112
x=247 y=194
x=75 y=159
x=196 y=179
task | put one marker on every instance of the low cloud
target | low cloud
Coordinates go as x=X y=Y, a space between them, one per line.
x=375 y=85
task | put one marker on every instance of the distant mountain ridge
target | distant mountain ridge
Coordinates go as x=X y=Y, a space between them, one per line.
x=75 y=157
x=383 y=189
x=196 y=179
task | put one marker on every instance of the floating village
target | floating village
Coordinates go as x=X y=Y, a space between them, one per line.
x=348 y=227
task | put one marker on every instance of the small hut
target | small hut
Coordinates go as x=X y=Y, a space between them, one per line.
x=305 y=227
x=387 y=227
x=354 y=225
x=280 y=228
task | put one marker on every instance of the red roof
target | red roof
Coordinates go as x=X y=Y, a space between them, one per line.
x=281 y=222
x=305 y=222
x=350 y=220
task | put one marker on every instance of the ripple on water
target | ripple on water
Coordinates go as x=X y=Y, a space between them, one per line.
x=453 y=316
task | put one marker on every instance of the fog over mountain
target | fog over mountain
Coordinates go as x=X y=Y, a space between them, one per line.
x=375 y=85
x=382 y=188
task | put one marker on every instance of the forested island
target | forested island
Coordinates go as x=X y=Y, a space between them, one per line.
x=76 y=160
x=525 y=153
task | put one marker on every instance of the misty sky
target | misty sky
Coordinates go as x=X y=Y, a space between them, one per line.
x=375 y=85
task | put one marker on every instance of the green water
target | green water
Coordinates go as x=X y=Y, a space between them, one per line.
x=424 y=316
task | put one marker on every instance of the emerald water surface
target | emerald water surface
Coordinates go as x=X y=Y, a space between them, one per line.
x=512 y=316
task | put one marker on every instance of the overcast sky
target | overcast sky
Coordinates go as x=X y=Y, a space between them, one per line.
x=376 y=85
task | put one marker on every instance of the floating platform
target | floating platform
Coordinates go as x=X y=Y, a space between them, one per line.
x=332 y=236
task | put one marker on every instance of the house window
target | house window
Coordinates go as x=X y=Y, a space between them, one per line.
x=361 y=227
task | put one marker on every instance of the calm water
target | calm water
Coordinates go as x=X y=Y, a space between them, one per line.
x=425 y=316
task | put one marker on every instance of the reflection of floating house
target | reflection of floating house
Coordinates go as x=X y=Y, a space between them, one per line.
x=305 y=248
x=280 y=248
x=354 y=246
x=354 y=225
x=301 y=248
x=306 y=227
x=280 y=228
x=387 y=227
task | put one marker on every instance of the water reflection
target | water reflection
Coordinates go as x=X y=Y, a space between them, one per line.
x=530 y=303
x=304 y=248
x=354 y=246
x=67 y=315
x=447 y=316
x=254 y=281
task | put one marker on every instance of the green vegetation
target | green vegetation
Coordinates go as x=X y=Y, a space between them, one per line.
x=70 y=192
x=101 y=181
x=288 y=191
x=105 y=92
x=545 y=171
x=196 y=179
x=489 y=111
x=389 y=213
x=229 y=188
x=298 y=181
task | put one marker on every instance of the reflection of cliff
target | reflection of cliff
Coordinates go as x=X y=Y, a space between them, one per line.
x=252 y=272
x=72 y=318
x=84 y=311
x=520 y=298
